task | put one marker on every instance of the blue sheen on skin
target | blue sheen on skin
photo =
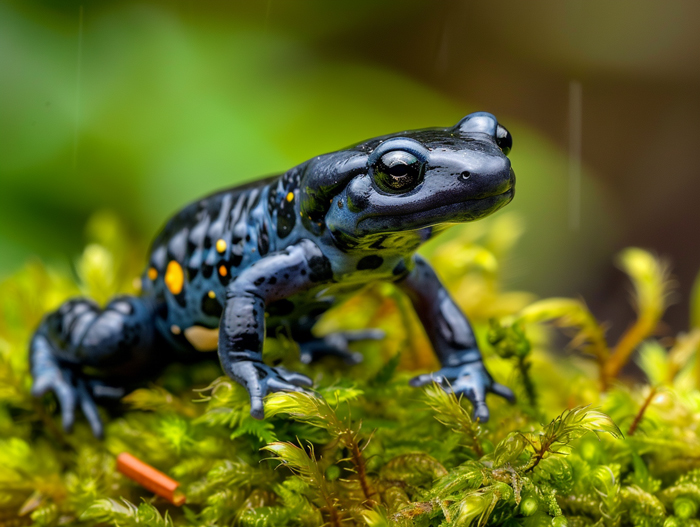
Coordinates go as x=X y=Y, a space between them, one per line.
x=230 y=268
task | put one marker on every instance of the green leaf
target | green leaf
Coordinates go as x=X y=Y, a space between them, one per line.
x=415 y=470
x=478 y=505
x=263 y=430
x=387 y=371
x=299 y=461
x=509 y=449
x=653 y=360
x=126 y=514
x=651 y=279
x=469 y=476
x=450 y=412
x=564 y=429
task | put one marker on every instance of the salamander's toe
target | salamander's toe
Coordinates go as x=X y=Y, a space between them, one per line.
x=503 y=391
x=257 y=410
x=338 y=345
x=481 y=412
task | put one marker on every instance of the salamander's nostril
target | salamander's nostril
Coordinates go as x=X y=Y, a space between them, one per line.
x=465 y=175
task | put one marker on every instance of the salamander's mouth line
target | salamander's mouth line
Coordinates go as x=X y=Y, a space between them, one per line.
x=446 y=210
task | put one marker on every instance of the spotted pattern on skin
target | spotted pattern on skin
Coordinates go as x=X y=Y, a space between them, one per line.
x=286 y=212
x=210 y=306
x=208 y=262
x=174 y=277
x=177 y=246
x=159 y=257
x=400 y=269
x=370 y=262
x=263 y=240
x=236 y=255
x=321 y=269
x=272 y=200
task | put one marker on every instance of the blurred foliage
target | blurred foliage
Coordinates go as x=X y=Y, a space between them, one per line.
x=142 y=107
x=369 y=449
x=652 y=288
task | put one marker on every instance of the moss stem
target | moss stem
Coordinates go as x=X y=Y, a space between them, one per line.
x=641 y=329
x=530 y=390
x=359 y=462
x=640 y=414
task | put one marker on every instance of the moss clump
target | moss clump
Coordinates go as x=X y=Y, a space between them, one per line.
x=580 y=447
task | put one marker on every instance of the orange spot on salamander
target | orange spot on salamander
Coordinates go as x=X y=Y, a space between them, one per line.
x=152 y=273
x=174 y=277
x=223 y=271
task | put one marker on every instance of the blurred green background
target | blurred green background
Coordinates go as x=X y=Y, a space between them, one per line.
x=141 y=107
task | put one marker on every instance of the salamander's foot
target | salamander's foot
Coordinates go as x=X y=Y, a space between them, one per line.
x=260 y=379
x=471 y=380
x=337 y=345
x=71 y=389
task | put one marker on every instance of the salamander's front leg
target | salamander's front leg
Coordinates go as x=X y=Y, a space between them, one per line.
x=242 y=327
x=453 y=341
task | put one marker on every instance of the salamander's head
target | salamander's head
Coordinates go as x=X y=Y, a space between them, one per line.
x=411 y=180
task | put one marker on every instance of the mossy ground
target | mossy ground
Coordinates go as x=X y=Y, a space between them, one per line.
x=580 y=446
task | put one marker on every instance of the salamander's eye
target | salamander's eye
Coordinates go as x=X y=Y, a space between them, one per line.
x=503 y=139
x=397 y=171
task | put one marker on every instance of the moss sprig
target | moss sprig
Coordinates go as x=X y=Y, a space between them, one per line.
x=366 y=448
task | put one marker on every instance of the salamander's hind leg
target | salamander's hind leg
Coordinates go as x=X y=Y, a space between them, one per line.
x=118 y=340
x=335 y=345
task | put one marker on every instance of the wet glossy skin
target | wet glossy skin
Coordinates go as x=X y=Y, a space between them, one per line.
x=236 y=265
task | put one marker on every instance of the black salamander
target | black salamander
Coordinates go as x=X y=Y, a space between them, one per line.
x=230 y=268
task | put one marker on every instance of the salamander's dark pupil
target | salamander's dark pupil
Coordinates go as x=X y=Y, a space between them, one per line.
x=397 y=171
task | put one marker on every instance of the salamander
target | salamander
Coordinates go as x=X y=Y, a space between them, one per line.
x=229 y=269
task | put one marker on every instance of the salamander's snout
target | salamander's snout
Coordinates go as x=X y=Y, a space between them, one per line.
x=486 y=123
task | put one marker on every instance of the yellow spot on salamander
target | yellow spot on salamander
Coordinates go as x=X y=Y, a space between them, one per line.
x=174 y=277
x=175 y=329
x=152 y=273
x=211 y=294
x=220 y=245
x=223 y=271
x=203 y=339
x=290 y=196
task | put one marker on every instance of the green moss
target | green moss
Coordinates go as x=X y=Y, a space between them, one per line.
x=370 y=450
